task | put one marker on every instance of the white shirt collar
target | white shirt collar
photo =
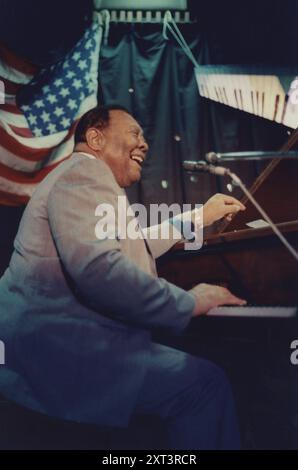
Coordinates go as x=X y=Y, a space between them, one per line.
x=89 y=155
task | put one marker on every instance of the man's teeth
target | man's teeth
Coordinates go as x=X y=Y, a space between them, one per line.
x=137 y=159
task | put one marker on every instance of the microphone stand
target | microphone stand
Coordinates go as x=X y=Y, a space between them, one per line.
x=221 y=171
x=237 y=181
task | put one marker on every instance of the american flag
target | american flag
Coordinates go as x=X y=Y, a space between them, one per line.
x=39 y=113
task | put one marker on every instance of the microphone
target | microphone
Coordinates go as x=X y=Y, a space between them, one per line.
x=212 y=157
x=202 y=166
x=195 y=166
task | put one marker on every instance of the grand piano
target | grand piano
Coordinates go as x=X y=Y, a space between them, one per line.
x=253 y=344
x=252 y=262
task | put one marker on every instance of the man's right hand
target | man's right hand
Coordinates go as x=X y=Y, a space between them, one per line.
x=219 y=206
x=208 y=296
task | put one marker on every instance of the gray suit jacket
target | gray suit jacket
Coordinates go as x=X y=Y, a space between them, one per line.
x=76 y=312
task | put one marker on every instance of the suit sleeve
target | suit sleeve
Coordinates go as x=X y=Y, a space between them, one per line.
x=158 y=243
x=178 y=228
x=104 y=278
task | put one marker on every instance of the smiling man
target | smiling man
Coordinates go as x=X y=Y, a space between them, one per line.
x=117 y=139
x=77 y=312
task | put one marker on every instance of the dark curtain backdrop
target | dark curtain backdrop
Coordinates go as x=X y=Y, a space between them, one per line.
x=155 y=80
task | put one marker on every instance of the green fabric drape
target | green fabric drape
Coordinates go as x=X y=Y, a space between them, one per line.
x=154 y=79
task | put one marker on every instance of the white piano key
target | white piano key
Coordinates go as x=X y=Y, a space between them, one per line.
x=256 y=312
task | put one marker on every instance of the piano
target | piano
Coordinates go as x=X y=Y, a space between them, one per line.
x=251 y=262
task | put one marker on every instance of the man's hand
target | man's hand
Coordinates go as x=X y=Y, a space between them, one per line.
x=219 y=206
x=208 y=296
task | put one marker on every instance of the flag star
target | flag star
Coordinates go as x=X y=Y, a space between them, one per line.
x=65 y=122
x=70 y=74
x=32 y=119
x=58 y=82
x=82 y=96
x=76 y=56
x=71 y=104
x=46 y=89
x=64 y=92
x=45 y=117
x=82 y=64
x=39 y=103
x=26 y=107
x=90 y=86
x=58 y=111
x=66 y=64
x=88 y=44
x=52 y=99
x=37 y=132
x=77 y=84
x=51 y=128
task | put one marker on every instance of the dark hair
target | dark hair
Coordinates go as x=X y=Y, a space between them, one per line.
x=98 y=117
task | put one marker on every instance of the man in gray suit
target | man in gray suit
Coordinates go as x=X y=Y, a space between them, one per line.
x=77 y=311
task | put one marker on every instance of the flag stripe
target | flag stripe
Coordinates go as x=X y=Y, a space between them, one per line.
x=16 y=62
x=10 y=87
x=17 y=176
x=22 y=131
x=34 y=143
x=10 y=107
x=12 y=199
x=17 y=120
x=14 y=161
x=27 y=153
x=14 y=75
x=23 y=151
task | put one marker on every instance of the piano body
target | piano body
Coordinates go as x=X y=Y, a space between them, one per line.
x=252 y=262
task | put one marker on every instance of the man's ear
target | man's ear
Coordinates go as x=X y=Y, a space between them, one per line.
x=95 y=139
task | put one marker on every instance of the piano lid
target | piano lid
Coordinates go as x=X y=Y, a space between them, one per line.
x=270 y=93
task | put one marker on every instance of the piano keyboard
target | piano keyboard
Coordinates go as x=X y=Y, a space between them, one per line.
x=268 y=93
x=256 y=312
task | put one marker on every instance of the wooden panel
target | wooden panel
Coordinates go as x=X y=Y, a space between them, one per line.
x=259 y=270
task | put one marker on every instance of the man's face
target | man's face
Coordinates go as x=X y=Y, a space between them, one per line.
x=125 y=148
